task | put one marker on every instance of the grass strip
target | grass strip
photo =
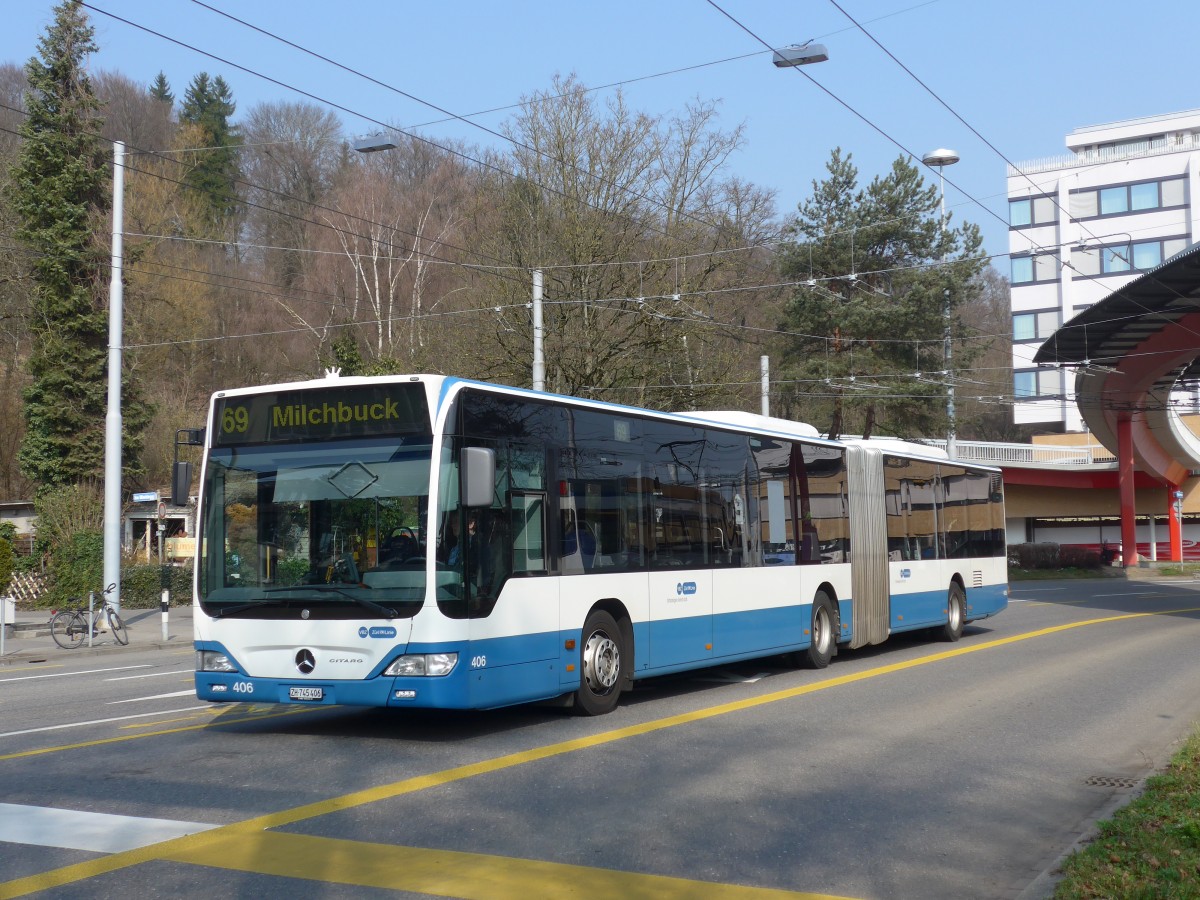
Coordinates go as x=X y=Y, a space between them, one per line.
x=1150 y=848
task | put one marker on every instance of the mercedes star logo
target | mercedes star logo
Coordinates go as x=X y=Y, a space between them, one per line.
x=305 y=661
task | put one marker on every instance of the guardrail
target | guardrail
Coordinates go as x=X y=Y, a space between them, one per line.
x=1181 y=144
x=1028 y=454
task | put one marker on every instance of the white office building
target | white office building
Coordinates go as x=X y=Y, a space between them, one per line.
x=1124 y=199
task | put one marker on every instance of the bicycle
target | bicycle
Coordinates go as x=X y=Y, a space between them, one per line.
x=70 y=626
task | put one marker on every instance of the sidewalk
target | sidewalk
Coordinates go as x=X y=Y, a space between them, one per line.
x=28 y=638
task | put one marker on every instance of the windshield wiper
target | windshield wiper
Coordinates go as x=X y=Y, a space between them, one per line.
x=361 y=601
x=253 y=604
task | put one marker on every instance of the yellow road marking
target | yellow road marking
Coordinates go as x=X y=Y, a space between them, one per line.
x=198 y=715
x=40 y=751
x=8 y=669
x=449 y=873
x=250 y=828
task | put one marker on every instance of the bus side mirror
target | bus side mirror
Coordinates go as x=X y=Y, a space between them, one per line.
x=181 y=472
x=181 y=483
x=478 y=466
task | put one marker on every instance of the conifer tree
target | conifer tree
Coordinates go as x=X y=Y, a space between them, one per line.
x=60 y=191
x=161 y=89
x=208 y=105
x=867 y=314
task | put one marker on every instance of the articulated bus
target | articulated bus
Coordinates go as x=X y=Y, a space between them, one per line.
x=426 y=541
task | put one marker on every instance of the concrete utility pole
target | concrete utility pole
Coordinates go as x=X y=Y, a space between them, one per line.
x=765 y=364
x=539 y=361
x=942 y=158
x=112 y=420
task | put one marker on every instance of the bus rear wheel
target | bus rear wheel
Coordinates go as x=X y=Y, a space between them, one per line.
x=602 y=663
x=956 y=614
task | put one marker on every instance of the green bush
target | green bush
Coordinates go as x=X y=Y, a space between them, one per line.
x=1078 y=558
x=1034 y=556
x=76 y=567
x=6 y=566
x=1052 y=556
x=141 y=586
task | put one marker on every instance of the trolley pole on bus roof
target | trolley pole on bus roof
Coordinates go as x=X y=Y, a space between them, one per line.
x=765 y=364
x=112 y=420
x=539 y=360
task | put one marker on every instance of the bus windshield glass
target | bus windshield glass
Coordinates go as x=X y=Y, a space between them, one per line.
x=335 y=526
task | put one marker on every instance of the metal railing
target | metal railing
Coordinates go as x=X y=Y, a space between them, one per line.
x=1181 y=144
x=1028 y=454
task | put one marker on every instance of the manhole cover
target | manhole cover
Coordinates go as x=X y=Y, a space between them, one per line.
x=1110 y=781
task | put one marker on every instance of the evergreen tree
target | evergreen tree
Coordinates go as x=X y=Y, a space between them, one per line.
x=208 y=105
x=60 y=191
x=161 y=89
x=868 y=314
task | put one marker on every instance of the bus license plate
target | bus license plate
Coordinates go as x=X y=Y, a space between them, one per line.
x=305 y=693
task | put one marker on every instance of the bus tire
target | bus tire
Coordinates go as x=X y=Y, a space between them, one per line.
x=956 y=614
x=823 y=633
x=603 y=662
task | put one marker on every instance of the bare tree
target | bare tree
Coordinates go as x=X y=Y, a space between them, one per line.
x=394 y=252
x=291 y=155
x=132 y=114
x=637 y=226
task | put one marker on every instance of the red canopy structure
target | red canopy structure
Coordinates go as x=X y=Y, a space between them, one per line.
x=1130 y=352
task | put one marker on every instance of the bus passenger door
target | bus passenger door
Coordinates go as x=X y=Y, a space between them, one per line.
x=512 y=607
x=681 y=602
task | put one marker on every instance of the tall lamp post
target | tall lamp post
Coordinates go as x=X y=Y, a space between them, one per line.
x=112 y=420
x=942 y=158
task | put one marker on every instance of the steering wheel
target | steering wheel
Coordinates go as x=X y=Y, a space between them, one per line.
x=350 y=568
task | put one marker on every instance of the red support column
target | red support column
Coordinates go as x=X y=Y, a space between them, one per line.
x=1175 y=522
x=1129 y=554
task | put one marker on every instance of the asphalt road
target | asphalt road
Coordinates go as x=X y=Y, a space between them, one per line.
x=917 y=769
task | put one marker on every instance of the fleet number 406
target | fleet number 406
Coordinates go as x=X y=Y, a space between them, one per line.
x=478 y=662
x=243 y=687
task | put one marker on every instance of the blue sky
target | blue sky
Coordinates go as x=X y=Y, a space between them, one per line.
x=1021 y=73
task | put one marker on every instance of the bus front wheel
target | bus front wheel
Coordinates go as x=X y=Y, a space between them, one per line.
x=602 y=663
x=956 y=614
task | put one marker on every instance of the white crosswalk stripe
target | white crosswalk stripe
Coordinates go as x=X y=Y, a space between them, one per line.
x=72 y=829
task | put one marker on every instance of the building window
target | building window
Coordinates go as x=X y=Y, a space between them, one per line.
x=1147 y=255
x=1121 y=199
x=1144 y=196
x=1114 y=200
x=1037 y=384
x=1034 y=326
x=1032 y=211
x=1117 y=259
x=1038 y=268
x=1114 y=259
x=1173 y=193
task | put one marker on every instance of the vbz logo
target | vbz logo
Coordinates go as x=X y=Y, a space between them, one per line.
x=685 y=588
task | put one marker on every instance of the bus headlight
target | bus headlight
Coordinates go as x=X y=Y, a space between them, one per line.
x=212 y=661
x=431 y=664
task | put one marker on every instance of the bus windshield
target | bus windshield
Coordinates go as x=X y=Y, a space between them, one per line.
x=336 y=526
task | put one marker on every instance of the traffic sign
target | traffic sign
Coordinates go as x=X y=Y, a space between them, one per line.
x=146 y=497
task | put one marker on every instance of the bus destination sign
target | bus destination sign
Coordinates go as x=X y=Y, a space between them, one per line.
x=321 y=414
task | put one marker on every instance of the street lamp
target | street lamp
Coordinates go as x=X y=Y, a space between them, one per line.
x=800 y=55
x=373 y=143
x=942 y=158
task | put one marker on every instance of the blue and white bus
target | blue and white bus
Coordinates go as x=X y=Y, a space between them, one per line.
x=426 y=541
